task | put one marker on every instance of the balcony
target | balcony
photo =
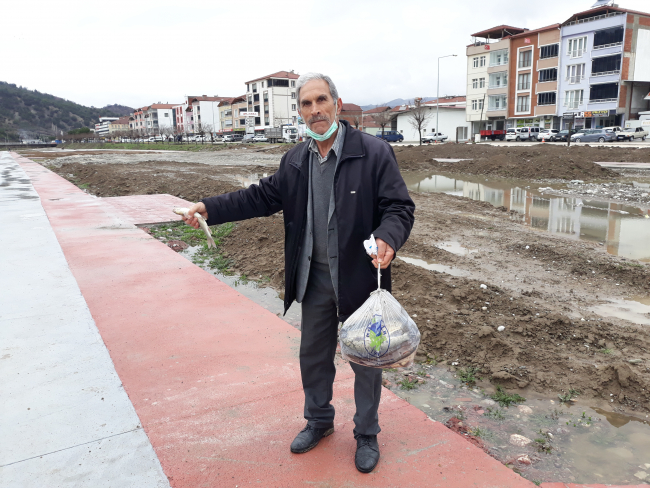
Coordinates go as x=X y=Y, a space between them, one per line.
x=524 y=86
x=603 y=100
x=605 y=46
x=573 y=104
x=596 y=17
x=606 y=73
x=495 y=109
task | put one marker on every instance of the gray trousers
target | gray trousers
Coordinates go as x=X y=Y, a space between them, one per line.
x=317 y=348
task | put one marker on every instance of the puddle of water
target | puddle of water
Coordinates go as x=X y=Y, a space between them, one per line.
x=599 y=447
x=441 y=268
x=637 y=311
x=620 y=228
x=454 y=248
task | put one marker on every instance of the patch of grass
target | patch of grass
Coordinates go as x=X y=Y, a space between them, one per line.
x=242 y=280
x=84 y=186
x=391 y=370
x=505 y=399
x=566 y=397
x=607 y=351
x=407 y=384
x=496 y=414
x=433 y=361
x=468 y=375
x=543 y=443
x=536 y=482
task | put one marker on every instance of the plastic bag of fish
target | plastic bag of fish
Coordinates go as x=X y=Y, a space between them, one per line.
x=380 y=334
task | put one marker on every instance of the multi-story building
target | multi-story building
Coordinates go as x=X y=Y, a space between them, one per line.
x=532 y=90
x=274 y=99
x=103 y=128
x=487 y=77
x=605 y=67
x=352 y=113
x=202 y=113
x=152 y=119
x=120 y=125
x=229 y=117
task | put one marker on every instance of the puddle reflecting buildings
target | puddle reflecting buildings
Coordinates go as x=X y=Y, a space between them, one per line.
x=621 y=228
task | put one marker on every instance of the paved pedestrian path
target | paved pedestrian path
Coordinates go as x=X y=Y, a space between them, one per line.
x=211 y=377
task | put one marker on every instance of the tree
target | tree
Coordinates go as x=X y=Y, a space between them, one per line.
x=208 y=129
x=418 y=116
x=356 y=121
x=383 y=119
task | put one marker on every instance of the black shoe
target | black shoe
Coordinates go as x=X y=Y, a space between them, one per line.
x=309 y=437
x=367 y=455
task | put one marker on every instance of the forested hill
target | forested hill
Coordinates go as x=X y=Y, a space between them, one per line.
x=32 y=113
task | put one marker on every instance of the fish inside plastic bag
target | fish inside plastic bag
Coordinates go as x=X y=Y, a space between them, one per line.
x=380 y=334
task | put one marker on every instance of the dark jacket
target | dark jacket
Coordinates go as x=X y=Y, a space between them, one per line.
x=371 y=198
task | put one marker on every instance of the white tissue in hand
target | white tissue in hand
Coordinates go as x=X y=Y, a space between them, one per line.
x=370 y=246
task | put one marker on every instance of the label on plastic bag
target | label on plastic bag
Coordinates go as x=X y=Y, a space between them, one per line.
x=377 y=338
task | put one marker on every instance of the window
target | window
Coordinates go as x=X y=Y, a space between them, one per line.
x=248 y=88
x=474 y=104
x=573 y=98
x=250 y=99
x=257 y=121
x=293 y=106
x=523 y=104
x=482 y=61
x=575 y=73
x=266 y=96
x=166 y=114
x=272 y=82
x=257 y=109
x=475 y=62
x=262 y=84
x=609 y=37
x=254 y=87
x=603 y=92
x=497 y=58
x=293 y=95
x=497 y=102
x=523 y=81
x=525 y=58
x=481 y=83
x=480 y=104
x=547 y=98
x=549 y=74
x=256 y=97
x=266 y=121
x=606 y=65
x=550 y=51
x=242 y=110
x=293 y=83
x=475 y=83
x=577 y=47
x=498 y=80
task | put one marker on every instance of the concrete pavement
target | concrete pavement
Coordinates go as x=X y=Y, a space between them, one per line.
x=211 y=377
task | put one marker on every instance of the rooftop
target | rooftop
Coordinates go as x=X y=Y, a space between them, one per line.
x=499 y=32
x=376 y=110
x=280 y=74
x=351 y=107
x=600 y=12
x=447 y=101
x=536 y=31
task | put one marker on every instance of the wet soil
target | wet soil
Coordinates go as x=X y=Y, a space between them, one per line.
x=540 y=287
x=548 y=161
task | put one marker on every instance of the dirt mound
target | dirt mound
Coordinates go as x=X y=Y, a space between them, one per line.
x=548 y=161
x=185 y=180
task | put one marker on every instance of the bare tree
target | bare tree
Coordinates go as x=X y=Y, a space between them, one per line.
x=418 y=116
x=208 y=129
x=382 y=119
x=356 y=121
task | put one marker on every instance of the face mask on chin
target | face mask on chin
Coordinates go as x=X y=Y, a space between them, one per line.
x=323 y=137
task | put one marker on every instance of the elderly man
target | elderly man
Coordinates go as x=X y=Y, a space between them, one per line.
x=335 y=189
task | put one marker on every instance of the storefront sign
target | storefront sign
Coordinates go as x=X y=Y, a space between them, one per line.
x=573 y=115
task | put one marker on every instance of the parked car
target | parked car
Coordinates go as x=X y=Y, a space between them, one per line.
x=632 y=133
x=260 y=138
x=228 y=138
x=434 y=136
x=561 y=136
x=529 y=133
x=512 y=135
x=391 y=136
x=547 y=134
x=237 y=137
x=595 y=135
x=249 y=138
x=615 y=129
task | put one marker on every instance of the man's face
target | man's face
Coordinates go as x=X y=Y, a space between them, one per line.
x=317 y=108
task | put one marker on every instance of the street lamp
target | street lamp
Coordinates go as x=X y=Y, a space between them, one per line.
x=438 y=96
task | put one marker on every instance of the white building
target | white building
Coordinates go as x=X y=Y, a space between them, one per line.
x=451 y=115
x=202 y=114
x=102 y=129
x=274 y=99
x=153 y=119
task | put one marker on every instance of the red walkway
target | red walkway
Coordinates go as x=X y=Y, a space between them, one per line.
x=214 y=377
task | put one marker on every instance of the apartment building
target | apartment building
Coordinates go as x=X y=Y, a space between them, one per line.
x=152 y=119
x=605 y=67
x=202 y=113
x=274 y=99
x=102 y=129
x=119 y=125
x=230 y=114
x=488 y=70
x=532 y=92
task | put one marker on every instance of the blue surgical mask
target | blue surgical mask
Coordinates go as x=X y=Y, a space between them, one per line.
x=324 y=137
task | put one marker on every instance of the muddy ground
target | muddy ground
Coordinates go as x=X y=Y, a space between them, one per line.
x=540 y=287
x=547 y=161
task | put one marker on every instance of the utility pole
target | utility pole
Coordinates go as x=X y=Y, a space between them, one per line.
x=438 y=96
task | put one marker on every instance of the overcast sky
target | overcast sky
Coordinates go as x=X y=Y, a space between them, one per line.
x=137 y=52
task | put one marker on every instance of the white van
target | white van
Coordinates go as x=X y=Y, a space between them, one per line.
x=512 y=135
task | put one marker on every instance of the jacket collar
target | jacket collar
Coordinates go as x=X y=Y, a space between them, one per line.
x=352 y=147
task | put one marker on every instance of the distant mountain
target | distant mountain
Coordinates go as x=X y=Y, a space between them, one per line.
x=26 y=112
x=395 y=103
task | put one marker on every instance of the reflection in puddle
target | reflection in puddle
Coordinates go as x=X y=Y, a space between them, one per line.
x=454 y=248
x=632 y=310
x=615 y=225
x=441 y=268
x=588 y=444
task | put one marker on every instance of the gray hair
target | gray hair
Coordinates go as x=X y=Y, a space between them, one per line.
x=307 y=77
